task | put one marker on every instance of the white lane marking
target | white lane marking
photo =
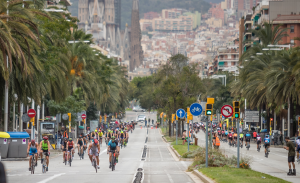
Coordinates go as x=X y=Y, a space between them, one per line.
x=51 y=178
x=169 y=176
x=160 y=154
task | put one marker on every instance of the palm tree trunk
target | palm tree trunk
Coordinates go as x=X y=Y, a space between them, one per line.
x=170 y=128
x=260 y=109
x=293 y=125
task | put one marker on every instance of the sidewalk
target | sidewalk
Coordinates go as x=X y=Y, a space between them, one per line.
x=275 y=165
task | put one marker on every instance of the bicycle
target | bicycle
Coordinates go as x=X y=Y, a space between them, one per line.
x=66 y=158
x=33 y=164
x=70 y=159
x=94 y=161
x=124 y=143
x=81 y=153
x=113 y=160
x=44 y=164
x=248 y=146
x=258 y=149
x=267 y=154
x=121 y=143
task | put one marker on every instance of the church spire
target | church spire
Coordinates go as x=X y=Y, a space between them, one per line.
x=135 y=5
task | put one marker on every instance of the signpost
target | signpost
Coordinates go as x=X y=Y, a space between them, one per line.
x=31 y=113
x=180 y=113
x=195 y=109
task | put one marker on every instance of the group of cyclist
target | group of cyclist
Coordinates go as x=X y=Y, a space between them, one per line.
x=115 y=136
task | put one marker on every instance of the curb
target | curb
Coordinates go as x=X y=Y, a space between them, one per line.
x=179 y=157
x=204 y=178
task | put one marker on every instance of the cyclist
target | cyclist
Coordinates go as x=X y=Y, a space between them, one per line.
x=32 y=150
x=126 y=136
x=122 y=136
x=258 y=140
x=248 y=138
x=85 y=142
x=254 y=135
x=267 y=143
x=226 y=134
x=80 y=144
x=242 y=139
x=230 y=136
x=113 y=146
x=64 y=147
x=45 y=148
x=70 y=146
x=234 y=137
x=93 y=150
x=100 y=134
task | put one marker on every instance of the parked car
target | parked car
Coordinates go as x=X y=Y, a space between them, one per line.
x=141 y=118
x=138 y=109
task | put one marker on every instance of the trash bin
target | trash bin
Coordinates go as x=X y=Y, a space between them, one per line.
x=18 y=144
x=4 y=144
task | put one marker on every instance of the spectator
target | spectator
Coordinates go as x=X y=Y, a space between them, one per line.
x=66 y=133
x=216 y=141
x=183 y=137
x=254 y=135
x=291 y=155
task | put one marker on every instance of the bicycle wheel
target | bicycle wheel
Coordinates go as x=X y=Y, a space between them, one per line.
x=66 y=160
x=32 y=165
x=95 y=165
x=113 y=163
x=44 y=168
x=70 y=160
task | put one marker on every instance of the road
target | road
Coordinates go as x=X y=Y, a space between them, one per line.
x=158 y=166
x=275 y=165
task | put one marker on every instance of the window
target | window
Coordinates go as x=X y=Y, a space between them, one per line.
x=292 y=28
x=229 y=56
x=292 y=41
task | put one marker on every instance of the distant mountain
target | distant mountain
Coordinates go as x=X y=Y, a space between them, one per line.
x=152 y=5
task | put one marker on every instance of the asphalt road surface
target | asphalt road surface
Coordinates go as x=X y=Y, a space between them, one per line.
x=276 y=164
x=158 y=166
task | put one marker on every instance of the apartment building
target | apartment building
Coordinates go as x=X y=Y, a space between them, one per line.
x=172 y=13
x=292 y=22
x=228 y=58
x=151 y=15
x=283 y=7
x=183 y=23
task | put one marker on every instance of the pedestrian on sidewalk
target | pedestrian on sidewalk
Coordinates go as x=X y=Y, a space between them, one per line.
x=216 y=141
x=291 y=155
x=183 y=136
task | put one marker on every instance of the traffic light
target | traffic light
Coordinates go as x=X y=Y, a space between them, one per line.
x=208 y=109
x=32 y=120
x=189 y=115
x=173 y=118
x=236 y=109
x=271 y=121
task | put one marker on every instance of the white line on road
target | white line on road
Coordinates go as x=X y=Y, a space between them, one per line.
x=160 y=154
x=169 y=176
x=51 y=178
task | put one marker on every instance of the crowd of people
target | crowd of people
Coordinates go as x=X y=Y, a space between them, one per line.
x=115 y=136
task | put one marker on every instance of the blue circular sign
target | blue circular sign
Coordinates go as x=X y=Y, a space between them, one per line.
x=180 y=113
x=195 y=109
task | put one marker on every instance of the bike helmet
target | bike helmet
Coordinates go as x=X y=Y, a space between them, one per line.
x=96 y=130
x=70 y=139
x=113 y=138
x=121 y=131
x=32 y=141
x=45 y=137
x=95 y=141
x=267 y=136
x=258 y=135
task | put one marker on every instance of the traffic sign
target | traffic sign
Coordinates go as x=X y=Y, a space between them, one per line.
x=65 y=117
x=227 y=111
x=31 y=113
x=25 y=118
x=83 y=116
x=180 y=113
x=195 y=109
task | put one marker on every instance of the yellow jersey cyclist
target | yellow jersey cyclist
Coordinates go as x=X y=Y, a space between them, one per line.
x=100 y=134
x=113 y=146
x=122 y=137
x=45 y=148
x=32 y=151
x=241 y=139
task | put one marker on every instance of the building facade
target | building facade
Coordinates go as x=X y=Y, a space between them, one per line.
x=136 y=50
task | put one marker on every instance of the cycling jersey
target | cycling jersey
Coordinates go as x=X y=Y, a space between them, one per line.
x=113 y=145
x=44 y=145
x=248 y=135
x=32 y=149
x=241 y=135
x=100 y=134
x=267 y=140
x=230 y=135
x=226 y=133
x=70 y=145
x=80 y=142
x=258 y=138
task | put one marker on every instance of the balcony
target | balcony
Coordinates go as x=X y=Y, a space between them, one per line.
x=262 y=19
